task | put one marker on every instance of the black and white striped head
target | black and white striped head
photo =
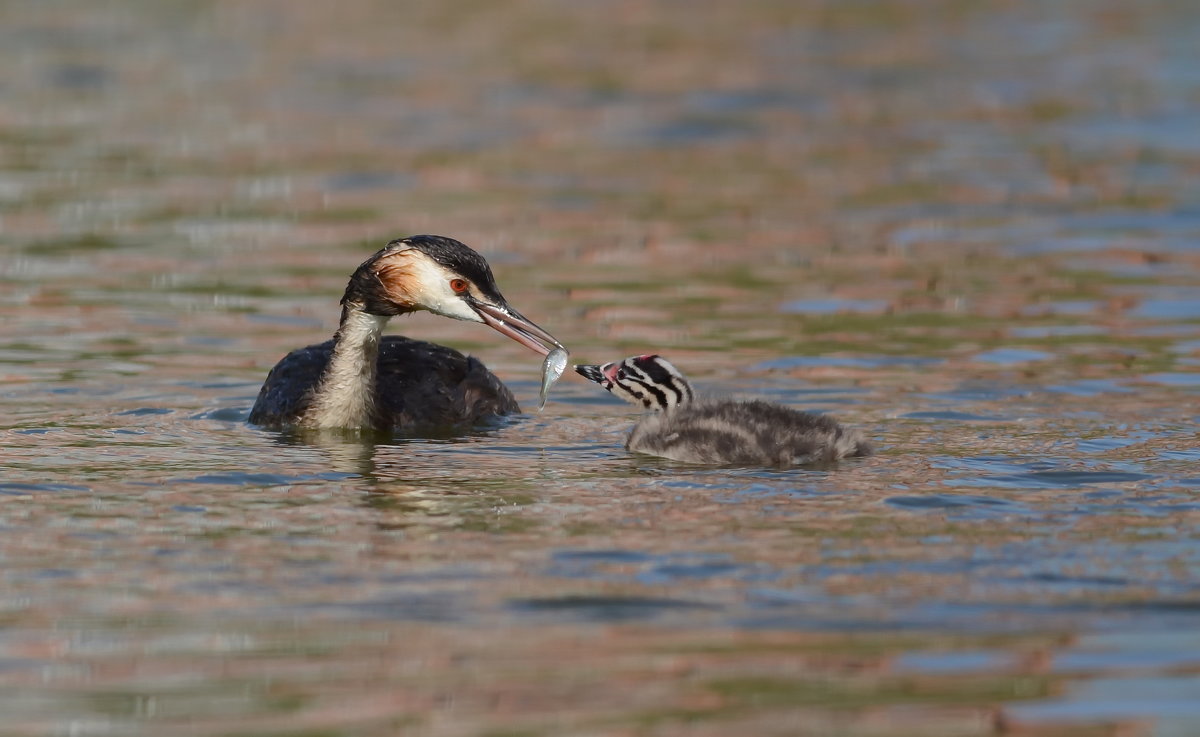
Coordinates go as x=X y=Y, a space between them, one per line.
x=650 y=381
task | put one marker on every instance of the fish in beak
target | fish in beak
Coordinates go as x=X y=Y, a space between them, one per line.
x=507 y=321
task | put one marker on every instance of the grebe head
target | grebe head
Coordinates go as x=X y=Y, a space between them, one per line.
x=445 y=277
x=650 y=381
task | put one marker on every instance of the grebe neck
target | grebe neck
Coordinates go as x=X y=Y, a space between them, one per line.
x=345 y=394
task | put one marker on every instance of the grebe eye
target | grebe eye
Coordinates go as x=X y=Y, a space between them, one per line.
x=459 y=285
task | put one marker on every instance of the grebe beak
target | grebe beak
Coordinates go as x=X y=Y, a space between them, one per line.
x=591 y=372
x=507 y=321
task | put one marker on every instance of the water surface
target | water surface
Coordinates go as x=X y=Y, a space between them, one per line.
x=970 y=230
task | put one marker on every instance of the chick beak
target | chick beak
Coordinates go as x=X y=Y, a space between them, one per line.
x=591 y=372
x=507 y=321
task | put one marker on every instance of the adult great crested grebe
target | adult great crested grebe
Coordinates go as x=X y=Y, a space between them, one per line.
x=360 y=380
x=719 y=431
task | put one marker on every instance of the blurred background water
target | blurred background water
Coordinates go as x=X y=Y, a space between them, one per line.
x=969 y=228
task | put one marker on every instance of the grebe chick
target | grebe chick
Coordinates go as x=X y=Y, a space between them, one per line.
x=719 y=431
x=358 y=380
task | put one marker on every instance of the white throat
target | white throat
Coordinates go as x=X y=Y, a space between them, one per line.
x=345 y=395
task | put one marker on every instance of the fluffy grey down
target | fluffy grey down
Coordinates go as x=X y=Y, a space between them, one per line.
x=682 y=427
x=745 y=433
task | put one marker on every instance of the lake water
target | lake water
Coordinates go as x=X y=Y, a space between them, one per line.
x=970 y=229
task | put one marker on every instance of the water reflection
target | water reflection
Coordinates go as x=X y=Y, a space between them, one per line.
x=934 y=223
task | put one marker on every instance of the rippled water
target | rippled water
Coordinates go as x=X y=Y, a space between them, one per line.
x=970 y=230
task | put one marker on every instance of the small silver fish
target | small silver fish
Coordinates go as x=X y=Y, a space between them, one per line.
x=552 y=368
